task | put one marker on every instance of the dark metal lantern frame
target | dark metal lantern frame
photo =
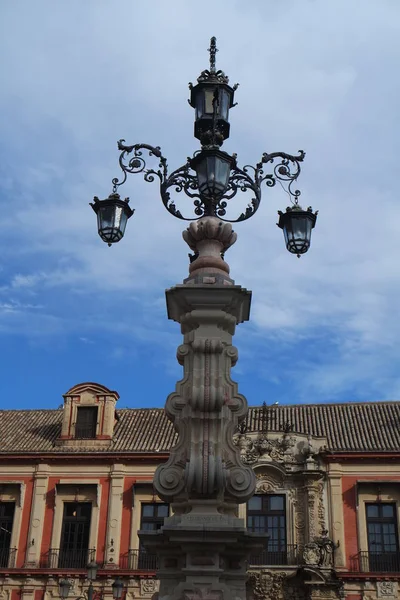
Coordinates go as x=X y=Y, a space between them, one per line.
x=212 y=177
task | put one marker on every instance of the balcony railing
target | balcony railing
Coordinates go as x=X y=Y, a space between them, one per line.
x=375 y=562
x=137 y=560
x=7 y=558
x=286 y=556
x=58 y=558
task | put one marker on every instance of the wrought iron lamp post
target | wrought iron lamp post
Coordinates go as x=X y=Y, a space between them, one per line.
x=65 y=585
x=212 y=177
x=202 y=549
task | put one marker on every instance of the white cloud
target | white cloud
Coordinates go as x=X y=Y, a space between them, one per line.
x=316 y=75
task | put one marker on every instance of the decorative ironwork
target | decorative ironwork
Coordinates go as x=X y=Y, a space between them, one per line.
x=210 y=185
x=184 y=179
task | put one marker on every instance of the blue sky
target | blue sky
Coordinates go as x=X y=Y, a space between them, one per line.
x=76 y=76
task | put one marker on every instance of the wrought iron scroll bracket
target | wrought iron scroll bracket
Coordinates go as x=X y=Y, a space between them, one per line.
x=131 y=161
x=287 y=170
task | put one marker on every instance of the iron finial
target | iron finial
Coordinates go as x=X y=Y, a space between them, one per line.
x=213 y=51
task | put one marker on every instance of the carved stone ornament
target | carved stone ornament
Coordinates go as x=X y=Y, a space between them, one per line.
x=268 y=481
x=311 y=554
x=266 y=585
x=265 y=448
x=386 y=589
x=148 y=586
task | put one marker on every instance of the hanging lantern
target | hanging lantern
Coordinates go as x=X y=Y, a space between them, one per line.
x=112 y=216
x=117 y=589
x=213 y=168
x=92 y=570
x=64 y=587
x=297 y=225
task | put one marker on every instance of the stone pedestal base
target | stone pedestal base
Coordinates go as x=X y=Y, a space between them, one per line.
x=202 y=556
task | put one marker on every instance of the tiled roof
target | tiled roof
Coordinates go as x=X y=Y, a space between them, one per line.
x=347 y=427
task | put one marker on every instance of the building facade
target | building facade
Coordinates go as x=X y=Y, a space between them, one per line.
x=76 y=486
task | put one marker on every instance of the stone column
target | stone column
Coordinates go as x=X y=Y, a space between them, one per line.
x=203 y=547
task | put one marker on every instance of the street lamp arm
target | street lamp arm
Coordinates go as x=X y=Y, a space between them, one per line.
x=185 y=179
x=287 y=170
x=137 y=164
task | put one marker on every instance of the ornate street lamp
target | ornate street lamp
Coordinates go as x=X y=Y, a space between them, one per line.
x=65 y=585
x=212 y=177
x=203 y=547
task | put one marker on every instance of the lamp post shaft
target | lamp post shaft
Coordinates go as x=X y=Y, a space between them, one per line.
x=204 y=546
x=90 y=591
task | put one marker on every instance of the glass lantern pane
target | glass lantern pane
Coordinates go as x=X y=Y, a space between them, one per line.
x=201 y=170
x=122 y=223
x=106 y=217
x=208 y=98
x=199 y=104
x=222 y=171
x=223 y=104
x=299 y=228
x=118 y=215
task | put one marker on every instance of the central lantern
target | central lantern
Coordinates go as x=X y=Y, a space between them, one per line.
x=213 y=168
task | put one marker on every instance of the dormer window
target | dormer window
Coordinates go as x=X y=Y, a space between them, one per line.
x=89 y=417
x=86 y=422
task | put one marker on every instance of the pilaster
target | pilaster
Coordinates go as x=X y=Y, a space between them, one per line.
x=114 y=515
x=37 y=515
x=337 y=516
